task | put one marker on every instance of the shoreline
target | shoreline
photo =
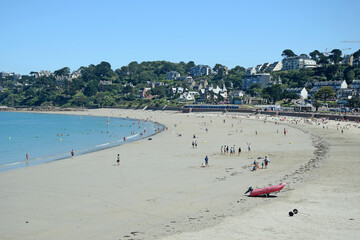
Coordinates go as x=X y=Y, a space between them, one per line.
x=64 y=155
x=160 y=189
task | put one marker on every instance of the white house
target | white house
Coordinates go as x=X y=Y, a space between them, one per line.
x=201 y=70
x=301 y=92
x=172 y=75
x=298 y=62
x=251 y=71
x=189 y=96
x=276 y=66
x=336 y=85
x=220 y=91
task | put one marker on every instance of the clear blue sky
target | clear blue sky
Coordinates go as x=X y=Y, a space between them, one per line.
x=48 y=35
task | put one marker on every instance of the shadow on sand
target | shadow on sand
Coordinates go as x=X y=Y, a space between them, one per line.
x=263 y=196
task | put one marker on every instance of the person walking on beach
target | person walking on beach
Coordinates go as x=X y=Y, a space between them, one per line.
x=27 y=159
x=206 y=161
x=118 y=160
x=249 y=147
x=239 y=151
x=193 y=144
x=72 y=153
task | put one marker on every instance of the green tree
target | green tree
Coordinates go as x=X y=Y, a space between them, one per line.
x=273 y=93
x=290 y=95
x=317 y=105
x=315 y=55
x=79 y=100
x=217 y=66
x=65 y=71
x=189 y=65
x=254 y=90
x=354 y=103
x=335 y=56
x=91 y=89
x=103 y=70
x=288 y=53
x=127 y=89
x=356 y=54
x=325 y=93
x=160 y=91
x=319 y=57
x=349 y=75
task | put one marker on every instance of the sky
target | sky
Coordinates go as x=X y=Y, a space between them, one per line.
x=49 y=35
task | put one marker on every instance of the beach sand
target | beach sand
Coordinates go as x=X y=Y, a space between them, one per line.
x=160 y=190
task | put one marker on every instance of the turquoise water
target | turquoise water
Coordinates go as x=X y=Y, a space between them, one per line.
x=48 y=137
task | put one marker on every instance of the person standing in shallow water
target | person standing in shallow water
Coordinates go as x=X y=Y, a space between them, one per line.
x=72 y=153
x=27 y=159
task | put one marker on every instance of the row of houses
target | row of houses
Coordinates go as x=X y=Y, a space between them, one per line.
x=265 y=67
x=10 y=74
x=197 y=71
x=61 y=79
x=297 y=62
x=342 y=90
x=205 y=91
x=351 y=60
x=288 y=63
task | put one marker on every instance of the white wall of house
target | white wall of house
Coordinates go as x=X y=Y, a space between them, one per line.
x=304 y=93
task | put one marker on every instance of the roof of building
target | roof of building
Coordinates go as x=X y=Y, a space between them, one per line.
x=294 y=89
x=328 y=83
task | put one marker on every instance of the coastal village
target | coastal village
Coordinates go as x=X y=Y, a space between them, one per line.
x=196 y=86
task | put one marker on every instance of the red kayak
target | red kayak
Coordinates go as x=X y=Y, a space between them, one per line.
x=265 y=191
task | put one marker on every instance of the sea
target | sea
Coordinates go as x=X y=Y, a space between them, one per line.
x=50 y=137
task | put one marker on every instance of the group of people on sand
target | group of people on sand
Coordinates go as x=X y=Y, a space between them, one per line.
x=265 y=163
x=229 y=150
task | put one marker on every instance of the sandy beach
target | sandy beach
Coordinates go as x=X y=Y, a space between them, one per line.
x=160 y=190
